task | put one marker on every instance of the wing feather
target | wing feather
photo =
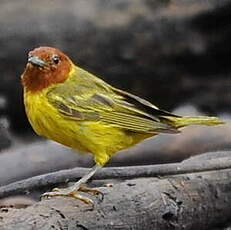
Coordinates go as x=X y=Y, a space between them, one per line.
x=109 y=105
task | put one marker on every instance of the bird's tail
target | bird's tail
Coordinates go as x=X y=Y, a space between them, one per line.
x=179 y=122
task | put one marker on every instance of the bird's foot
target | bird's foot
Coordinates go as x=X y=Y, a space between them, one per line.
x=92 y=191
x=73 y=191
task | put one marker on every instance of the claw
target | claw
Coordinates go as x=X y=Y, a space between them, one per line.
x=92 y=191
x=69 y=192
x=75 y=195
x=84 y=199
x=55 y=190
x=73 y=190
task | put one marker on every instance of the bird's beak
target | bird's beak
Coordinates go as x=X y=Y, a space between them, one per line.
x=37 y=61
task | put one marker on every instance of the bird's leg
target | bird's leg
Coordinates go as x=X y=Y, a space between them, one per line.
x=72 y=191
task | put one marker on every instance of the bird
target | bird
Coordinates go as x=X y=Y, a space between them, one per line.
x=71 y=106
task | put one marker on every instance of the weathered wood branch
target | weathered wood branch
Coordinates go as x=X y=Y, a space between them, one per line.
x=189 y=201
x=38 y=183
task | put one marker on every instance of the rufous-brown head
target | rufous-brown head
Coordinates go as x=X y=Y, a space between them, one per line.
x=46 y=66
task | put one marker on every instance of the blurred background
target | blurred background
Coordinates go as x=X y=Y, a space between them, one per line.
x=174 y=53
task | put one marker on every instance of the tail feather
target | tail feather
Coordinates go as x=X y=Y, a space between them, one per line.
x=179 y=122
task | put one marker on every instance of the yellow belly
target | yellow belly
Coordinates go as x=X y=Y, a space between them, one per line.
x=101 y=139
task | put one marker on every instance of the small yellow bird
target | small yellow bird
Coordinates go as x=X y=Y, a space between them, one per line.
x=75 y=108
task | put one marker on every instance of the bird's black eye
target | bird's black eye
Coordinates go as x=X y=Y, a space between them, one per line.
x=56 y=59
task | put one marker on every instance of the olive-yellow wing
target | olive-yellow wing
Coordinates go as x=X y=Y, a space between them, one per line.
x=109 y=105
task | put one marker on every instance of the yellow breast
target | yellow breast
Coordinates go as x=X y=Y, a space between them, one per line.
x=46 y=121
x=99 y=138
